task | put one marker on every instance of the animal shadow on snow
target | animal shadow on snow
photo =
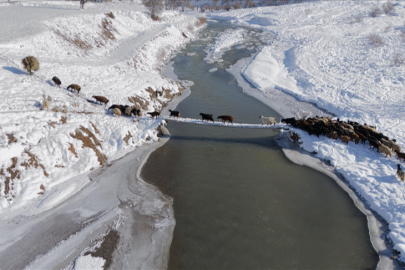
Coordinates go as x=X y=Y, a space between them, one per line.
x=50 y=83
x=15 y=70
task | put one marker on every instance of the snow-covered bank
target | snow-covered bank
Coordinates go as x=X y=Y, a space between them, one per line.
x=108 y=54
x=323 y=54
x=51 y=159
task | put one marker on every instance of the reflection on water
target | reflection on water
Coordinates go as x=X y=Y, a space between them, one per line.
x=238 y=202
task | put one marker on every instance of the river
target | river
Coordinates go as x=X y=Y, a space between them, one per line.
x=239 y=203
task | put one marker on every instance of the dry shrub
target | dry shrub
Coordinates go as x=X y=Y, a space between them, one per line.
x=375 y=11
x=308 y=11
x=237 y=6
x=127 y=137
x=358 y=18
x=110 y=14
x=388 y=28
x=388 y=8
x=295 y=137
x=399 y=60
x=11 y=138
x=107 y=29
x=375 y=40
x=201 y=21
x=154 y=18
x=30 y=63
x=227 y=7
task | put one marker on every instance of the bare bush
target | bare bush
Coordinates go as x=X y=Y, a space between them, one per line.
x=237 y=6
x=399 y=60
x=295 y=137
x=308 y=11
x=227 y=7
x=388 y=8
x=357 y=19
x=250 y=4
x=201 y=21
x=375 y=40
x=155 y=7
x=375 y=11
x=388 y=28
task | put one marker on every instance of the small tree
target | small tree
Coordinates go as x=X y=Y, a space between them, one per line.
x=388 y=8
x=82 y=2
x=155 y=7
x=375 y=11
x=30 y=63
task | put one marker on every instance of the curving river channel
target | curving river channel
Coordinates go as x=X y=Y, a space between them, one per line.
x=239 y=202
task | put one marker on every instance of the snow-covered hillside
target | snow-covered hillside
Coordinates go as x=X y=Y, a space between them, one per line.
x=334 y=54
x=113 y=50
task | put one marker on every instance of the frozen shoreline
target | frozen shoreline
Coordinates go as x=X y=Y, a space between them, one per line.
x=283 y=103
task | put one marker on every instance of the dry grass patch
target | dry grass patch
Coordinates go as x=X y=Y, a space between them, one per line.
x=33 y=162
x=375 y=40
x=13 y=174
x=76 y=40
x=127 y=137
x=140 y=103
x=90 y=141
x=107 y=29
x=63 y=119
x=52 y=124
x=43 y=188
x=11 y=138
x=59 y=109
x=95 y=128
x=72 y=150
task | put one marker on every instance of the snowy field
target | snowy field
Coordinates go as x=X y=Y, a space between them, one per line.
x=323 y=54
x=48 y=156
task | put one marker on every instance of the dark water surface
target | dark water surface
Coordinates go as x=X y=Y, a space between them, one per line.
x=239 y=202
